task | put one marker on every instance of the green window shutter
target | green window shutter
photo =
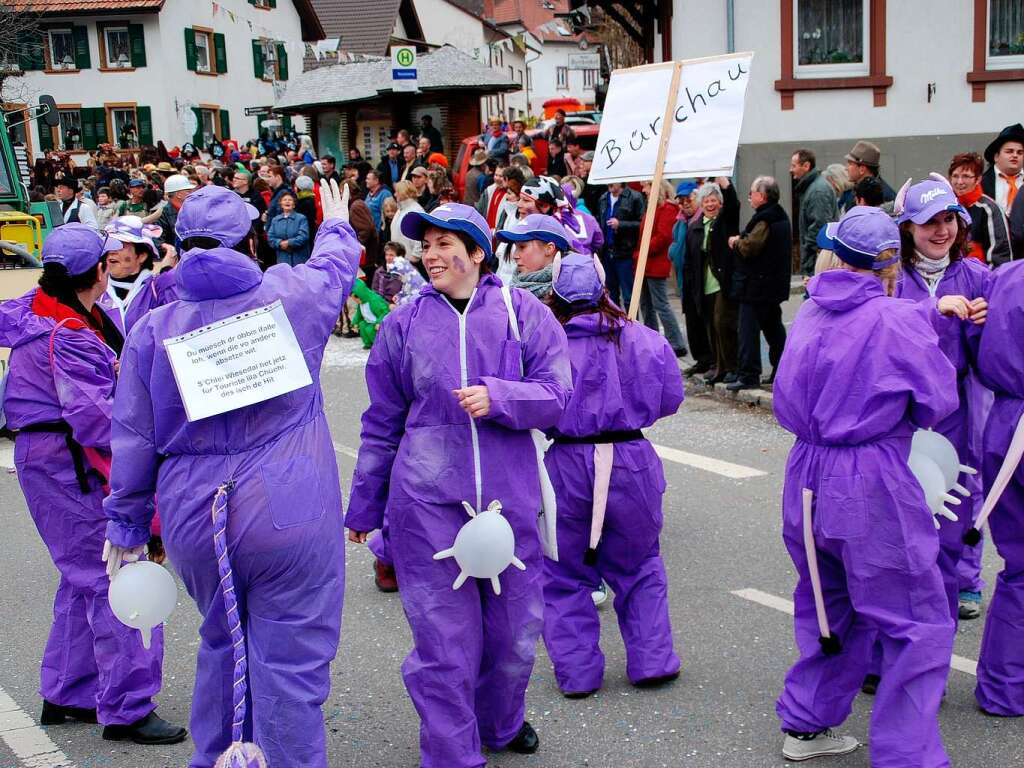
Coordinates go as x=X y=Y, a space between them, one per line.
x=88 y=129
x=30 y=53
x=45 y=135
x=144 y=117
x=225 y=124
x=257 y=59
x=81 y=37
x=197 y=138
x=99 y=119
x=190 y=49
x=273 y=3
x=220 y=53
x=286 y=124
x=282 y=62
x=137 y=37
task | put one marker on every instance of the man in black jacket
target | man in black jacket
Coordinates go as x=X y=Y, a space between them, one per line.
x=760 y=282
x=391 y=166
x=1005 y=175
x=619 y=213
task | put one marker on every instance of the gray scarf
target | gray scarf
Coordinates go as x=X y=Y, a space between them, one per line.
x=538 y=283
x=931 y=270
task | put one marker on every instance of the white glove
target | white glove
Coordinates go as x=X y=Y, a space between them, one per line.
x=334 y=204
x=946 y=513
x=114 y=555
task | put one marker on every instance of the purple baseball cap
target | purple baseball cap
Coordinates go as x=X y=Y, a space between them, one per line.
x=216 y=212
x=78 y=247
x=453 y=216
x=577 y=278
x=537 y=226
x=862 y=234
x=927 y=198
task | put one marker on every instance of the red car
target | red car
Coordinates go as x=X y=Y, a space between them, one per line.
x=587 y=134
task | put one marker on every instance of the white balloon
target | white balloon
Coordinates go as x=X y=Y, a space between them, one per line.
x=142 y=596
x=484 y=547
x=940 y=450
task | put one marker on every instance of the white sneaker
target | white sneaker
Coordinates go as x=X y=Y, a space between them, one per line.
x=600 y=595
x=825 y=743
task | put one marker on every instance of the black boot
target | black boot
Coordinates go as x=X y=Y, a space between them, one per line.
x=870 y=684
x=152 y=729
x=526 y=741
x=656 y=682
x=55 y=714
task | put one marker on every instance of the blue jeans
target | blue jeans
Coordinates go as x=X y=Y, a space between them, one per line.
x=623 y=269
x=654 y=305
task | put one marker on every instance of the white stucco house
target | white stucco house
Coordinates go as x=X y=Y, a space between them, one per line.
x=131 y=72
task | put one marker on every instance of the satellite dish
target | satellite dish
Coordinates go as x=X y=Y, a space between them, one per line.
x=49 y=111
x=189 y=120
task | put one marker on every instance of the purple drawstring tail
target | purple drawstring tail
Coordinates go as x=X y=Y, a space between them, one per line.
x=239 y=754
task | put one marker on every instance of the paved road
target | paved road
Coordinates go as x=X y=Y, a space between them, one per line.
x=721 y=536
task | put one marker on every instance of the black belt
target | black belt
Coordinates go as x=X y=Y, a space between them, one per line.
x=612 y=436
x=74 y=448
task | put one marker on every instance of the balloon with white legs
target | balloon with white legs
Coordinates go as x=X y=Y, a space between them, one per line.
x=933 y=484
x=484 y=547
x=142 y=596
x=939 y=449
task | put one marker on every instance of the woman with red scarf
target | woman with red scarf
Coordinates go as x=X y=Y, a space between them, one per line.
x=58 y=400
x=990 y=239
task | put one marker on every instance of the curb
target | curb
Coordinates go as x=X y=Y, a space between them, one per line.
x=755 y=398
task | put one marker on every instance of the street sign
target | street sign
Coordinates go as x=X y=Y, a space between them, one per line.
x=403 y=68
x=584 y=61
x=256 y=111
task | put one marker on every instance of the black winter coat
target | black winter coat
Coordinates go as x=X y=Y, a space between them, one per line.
x=720 y=256
x=765 y=276
x=630 y=212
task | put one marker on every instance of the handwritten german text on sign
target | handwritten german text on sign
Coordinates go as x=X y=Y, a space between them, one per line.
x=238 y=361
x=708 y=116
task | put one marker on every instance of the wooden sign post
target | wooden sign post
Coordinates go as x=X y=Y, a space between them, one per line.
x=655 y=197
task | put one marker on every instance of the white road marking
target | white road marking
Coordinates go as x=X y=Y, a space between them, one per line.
x=959 y=663
x=28 y=742
x=717 y=466
x=6 y=454
x=345 y=451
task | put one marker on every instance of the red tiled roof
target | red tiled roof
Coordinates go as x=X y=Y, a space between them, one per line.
x=530 y=13
x=84 y=6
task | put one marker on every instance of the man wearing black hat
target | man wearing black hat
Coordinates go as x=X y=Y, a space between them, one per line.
x=391 y=166
x=1005 y=155
x=66 y=189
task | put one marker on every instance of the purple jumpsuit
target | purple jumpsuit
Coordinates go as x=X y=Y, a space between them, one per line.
x=473 y=651
x=149 y=291
x=91 y=660
x=1000 y=688
x=618 y=386
x=964 y=277
x=860 y=373
x=285 y=535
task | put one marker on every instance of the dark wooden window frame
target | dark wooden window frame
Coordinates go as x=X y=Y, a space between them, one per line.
x=876 y=79
x=979 y=77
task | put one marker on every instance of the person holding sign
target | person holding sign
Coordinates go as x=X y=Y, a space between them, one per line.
x=454 y=394
x=860 y=373
x=609 y=485
x=58 y=400
x=194 y=419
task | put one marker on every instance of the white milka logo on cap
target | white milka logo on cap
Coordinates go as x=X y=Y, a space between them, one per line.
x=445 y=208
x=927 y=197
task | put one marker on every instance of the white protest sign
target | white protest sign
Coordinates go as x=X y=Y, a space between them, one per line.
x=708 y=115
x=238 y=361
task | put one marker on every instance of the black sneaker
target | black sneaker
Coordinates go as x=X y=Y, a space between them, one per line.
x=739 y=384
x=696 y=369
x=55 y=714
x=681 y=352
x=578 y=694
x=526 y=741
x=152 y=729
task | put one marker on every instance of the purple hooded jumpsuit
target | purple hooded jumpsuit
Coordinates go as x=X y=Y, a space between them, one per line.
x=963 y=277
x=150 y=291
x=619 y=386
x=860 y=373
x=285 y=535
x=92 y=660
x=473 y=650
x=1000 y=688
